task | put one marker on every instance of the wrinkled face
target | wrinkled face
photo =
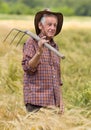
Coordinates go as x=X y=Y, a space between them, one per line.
x=48 y=26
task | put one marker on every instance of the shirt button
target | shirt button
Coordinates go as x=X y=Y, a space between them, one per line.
x=54 y=76
x=53 y=69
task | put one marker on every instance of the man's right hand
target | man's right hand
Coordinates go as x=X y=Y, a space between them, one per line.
x=41 y=44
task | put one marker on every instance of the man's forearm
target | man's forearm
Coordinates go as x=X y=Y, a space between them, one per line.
x=35 y=60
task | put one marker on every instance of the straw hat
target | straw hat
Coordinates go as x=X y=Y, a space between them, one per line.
x=40 y=14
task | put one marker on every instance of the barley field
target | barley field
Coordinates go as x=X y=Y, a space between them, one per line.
x=75 y=43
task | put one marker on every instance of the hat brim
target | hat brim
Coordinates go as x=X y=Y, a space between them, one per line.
x=40 y=14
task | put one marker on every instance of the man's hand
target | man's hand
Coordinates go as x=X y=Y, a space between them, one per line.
x=61 y=111
x=41 y=44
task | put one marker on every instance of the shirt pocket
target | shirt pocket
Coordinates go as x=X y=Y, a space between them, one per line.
x=45 y=58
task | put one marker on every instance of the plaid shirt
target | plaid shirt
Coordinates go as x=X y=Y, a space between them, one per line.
x=41 y=84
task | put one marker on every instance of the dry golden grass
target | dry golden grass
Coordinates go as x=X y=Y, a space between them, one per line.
x=13 y=115
x=74 y=23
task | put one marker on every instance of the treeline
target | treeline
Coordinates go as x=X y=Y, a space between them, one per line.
x=67 y=7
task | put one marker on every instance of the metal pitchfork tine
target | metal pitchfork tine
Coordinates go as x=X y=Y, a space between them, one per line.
x=19 y=31
x=34 y=36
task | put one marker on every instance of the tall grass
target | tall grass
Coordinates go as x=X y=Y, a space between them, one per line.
x=76 y=68
x=75 y=43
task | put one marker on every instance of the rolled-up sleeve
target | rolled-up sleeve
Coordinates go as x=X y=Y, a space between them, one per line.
x=28 y=52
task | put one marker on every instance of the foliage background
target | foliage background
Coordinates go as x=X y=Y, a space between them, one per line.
x=67 y=7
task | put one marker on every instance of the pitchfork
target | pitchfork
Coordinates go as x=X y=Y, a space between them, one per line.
x=34 y=36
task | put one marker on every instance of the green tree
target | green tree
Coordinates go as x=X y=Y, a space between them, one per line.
x=19 y=8
x=4 y=7
x=84 y=8
x=32 y=3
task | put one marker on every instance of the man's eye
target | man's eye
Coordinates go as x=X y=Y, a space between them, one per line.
x=49 y=24
x=55 y=25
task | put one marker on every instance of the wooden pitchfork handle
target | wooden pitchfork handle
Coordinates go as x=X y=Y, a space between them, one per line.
x=37 y=38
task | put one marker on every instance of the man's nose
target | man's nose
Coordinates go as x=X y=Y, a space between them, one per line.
x=53 y=27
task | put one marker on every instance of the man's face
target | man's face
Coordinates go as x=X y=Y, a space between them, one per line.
x=48 y=28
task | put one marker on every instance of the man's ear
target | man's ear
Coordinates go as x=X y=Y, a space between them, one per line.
x=40 y=25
